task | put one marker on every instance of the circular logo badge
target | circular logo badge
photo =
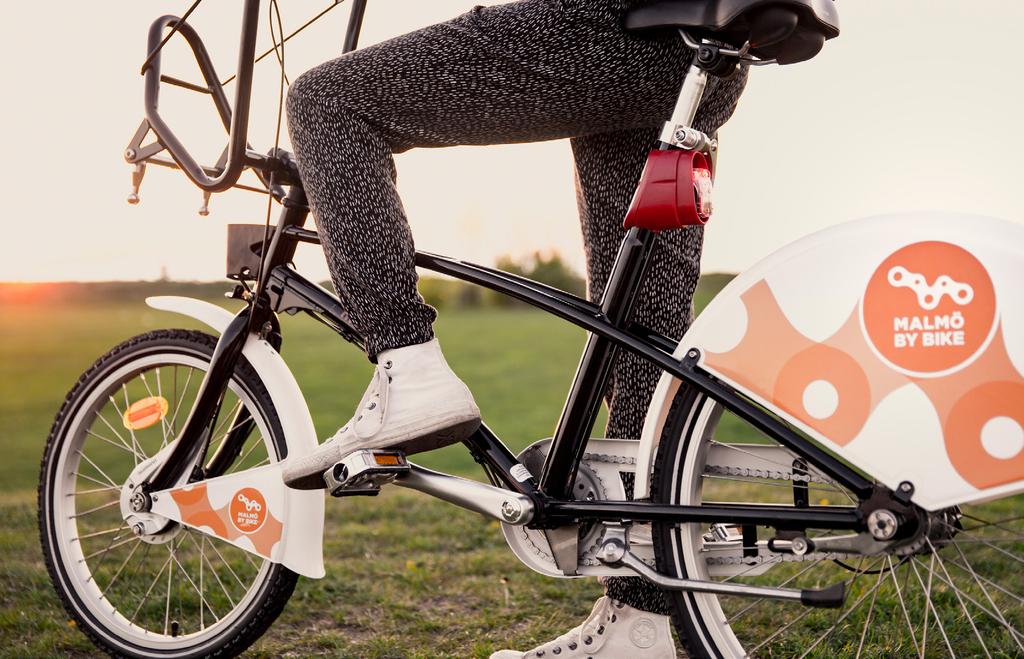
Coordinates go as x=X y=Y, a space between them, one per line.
x=929 y=308
x=248 y=510
x=643 y=633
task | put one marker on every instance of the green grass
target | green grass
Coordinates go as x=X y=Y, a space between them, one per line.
x=406 y=575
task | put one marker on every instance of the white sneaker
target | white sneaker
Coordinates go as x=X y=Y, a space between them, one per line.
x=612 y=631
x=414 y=403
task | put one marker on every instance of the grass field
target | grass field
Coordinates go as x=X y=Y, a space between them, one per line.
x=406 y=575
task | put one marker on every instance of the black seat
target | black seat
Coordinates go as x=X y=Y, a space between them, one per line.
x=785 y=30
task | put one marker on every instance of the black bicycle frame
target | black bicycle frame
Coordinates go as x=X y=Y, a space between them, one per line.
x=610 y=327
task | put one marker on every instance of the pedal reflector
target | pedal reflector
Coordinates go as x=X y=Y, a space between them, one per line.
x=387 y=458
x=363 y=472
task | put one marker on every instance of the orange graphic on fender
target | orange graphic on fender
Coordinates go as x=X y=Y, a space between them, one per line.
x=248 y=510
x=834 y=386
x=195 y=509
x=929 y=308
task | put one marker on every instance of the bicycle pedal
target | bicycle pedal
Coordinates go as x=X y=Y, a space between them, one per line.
x=362 y=473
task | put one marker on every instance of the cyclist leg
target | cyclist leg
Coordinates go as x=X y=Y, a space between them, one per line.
x=527 y=71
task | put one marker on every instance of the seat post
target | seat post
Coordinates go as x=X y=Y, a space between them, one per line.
x=675 y=129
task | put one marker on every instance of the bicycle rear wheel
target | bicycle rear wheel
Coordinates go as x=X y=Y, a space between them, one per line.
x=957 y=591
x=177 y=593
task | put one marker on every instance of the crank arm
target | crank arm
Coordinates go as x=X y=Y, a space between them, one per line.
x=615 y=552
x=504 y=505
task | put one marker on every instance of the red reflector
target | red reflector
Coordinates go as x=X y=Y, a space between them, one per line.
x=702 y=189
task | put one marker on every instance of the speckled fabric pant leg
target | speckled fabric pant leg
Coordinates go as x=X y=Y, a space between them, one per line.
x=521 y=72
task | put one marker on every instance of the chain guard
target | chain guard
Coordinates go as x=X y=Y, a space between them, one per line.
x=598 y=479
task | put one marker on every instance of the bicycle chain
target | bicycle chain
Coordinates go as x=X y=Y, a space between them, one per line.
x=779 y=475
x=588 y=555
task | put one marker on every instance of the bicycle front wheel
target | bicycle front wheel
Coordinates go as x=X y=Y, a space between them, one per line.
x=179 y=592
x=956 y=591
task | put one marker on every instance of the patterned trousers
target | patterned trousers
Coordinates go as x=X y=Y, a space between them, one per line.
x=526 y=71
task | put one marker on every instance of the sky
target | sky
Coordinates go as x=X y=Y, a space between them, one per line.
x=916 y=106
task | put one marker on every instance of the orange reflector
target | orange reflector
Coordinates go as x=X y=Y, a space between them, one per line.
x=144 y=413
x=387 y=459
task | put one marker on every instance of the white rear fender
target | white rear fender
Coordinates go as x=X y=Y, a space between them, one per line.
x=301 y=513
x=897 y=342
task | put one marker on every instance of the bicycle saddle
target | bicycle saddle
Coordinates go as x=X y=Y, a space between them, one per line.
x=788 y=31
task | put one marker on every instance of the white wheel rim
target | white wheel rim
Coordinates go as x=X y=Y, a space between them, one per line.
x=993 y=608
x=114 y=625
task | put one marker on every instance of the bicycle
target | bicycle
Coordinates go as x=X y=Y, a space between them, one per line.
x=880 y=512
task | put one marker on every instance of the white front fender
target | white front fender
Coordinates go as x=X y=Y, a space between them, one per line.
x=301 y=543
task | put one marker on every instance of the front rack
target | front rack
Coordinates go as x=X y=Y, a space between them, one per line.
x=238 y=155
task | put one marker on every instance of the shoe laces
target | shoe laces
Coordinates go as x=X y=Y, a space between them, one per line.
x=588 y=638
x=374 y=398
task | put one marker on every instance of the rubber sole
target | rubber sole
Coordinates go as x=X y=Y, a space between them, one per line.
x=435 y=439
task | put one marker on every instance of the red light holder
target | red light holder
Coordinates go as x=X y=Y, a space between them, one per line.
x=674 y=191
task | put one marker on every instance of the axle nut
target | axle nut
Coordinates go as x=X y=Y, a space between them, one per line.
x=611 y=552
x=511 y=511
x=139 y=502
x=882 y=524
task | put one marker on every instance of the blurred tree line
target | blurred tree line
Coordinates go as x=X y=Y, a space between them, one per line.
x=547 y=268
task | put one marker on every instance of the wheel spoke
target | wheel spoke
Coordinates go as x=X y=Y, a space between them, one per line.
x=99 y=533
x=134 y=450
x=95 y=490
x=125 y=562
x=241 y=460
x=978 y=580
x=903 y=605
x=871 y=610
x=167 y=605
x=780 y=631
x=121 y=445
x=956 y=591
x=993 y=584
x=110 y=481
x=202 y=598
x=149 y=590
x=177 y=403
x=106 y=550
x=216 y=578
x=998 y=523
x=930 y=606
x=1018 y=635
x=848 y=612
x=92 y=510
x=227 y=565
x=87 y=477
x=996 y=548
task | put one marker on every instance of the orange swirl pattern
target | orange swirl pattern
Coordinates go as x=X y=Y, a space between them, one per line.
x=777 y=363
x=196 y=510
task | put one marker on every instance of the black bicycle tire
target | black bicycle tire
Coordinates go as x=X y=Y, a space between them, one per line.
x=675 y=437
x=277 y=586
